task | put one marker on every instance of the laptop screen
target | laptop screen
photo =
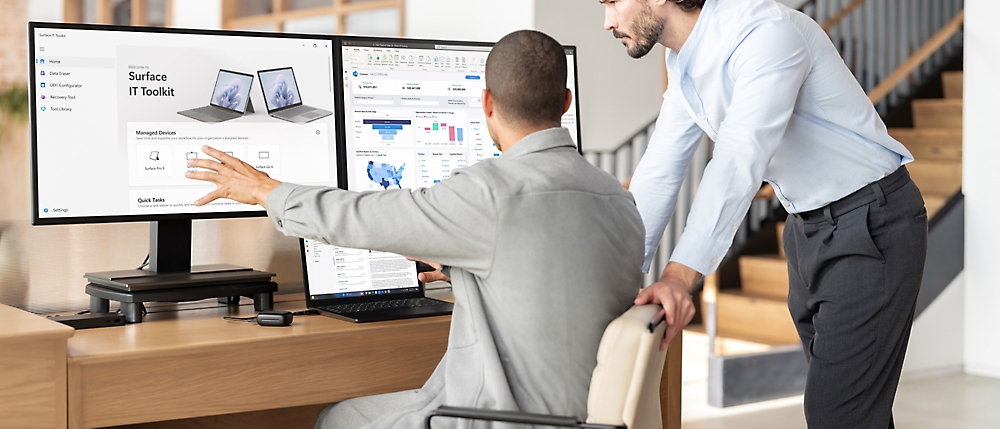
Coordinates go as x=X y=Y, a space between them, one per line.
x=340 y=272
x=279 y=88
x=232 y=91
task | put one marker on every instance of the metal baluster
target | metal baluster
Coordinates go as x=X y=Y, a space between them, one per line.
x=905 y=25
x=834 y=34
x=890 y=54
x=623 y=162
x=915 y=38
x=850 y=57
x=882 y=30
x=639 y=146
x=872 y=46
x=608 y=162
x=928 y=30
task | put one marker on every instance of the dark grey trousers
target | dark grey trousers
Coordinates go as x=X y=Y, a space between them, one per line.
x=854 y=269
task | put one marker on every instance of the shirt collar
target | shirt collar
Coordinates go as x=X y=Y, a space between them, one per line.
x=539 y=141
x=682 y=60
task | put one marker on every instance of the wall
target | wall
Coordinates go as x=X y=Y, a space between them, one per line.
x=934 y=348
x=484 y=20
x=618 y=95
x=981 y=179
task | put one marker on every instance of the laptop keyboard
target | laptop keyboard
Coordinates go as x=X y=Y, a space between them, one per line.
x=217 y=113
x=295 y=111
x=360 y=307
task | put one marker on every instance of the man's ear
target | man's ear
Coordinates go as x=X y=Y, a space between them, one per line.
x=488 y=103
x=568 y=101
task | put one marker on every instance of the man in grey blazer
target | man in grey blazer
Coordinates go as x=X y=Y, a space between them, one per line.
x=543 y=249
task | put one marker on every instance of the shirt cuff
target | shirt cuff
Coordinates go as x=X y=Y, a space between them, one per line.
x=699 y=252
x=276 y=203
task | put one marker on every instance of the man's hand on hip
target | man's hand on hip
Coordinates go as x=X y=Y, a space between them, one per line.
x=235 y=179
x=673 y=292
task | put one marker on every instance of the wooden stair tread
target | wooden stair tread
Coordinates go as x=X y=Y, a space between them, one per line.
x=937 y=113
x=934 y=203
x=941 y=178
x=931 y=143
x=728 y=344
x=953 y=82
x=764 y=276
x=753 y=316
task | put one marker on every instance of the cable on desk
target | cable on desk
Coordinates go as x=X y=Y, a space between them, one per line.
x=145 y=263
x=242 y=319
x=309 y=312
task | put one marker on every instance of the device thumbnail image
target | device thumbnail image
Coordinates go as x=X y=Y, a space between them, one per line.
x=229 y=98
x=283 y=99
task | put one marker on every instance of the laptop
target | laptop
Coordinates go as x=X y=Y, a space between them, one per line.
x=230 y=98
x=364 y=285
x=282 y=97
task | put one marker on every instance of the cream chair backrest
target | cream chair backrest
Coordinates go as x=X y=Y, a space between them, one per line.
x=625 y=386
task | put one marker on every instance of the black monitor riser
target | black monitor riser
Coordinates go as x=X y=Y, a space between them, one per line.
x=171 y=278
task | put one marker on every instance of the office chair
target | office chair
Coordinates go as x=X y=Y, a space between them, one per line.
x=625 y=386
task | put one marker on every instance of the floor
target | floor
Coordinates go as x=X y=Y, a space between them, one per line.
x=950 y=402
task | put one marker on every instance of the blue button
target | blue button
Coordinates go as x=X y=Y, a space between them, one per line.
x=473 y=77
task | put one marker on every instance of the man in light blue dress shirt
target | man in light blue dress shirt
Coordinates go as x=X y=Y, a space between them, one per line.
x=767 y=85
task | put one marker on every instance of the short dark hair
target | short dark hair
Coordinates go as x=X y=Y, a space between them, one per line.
x=689 y=5
x=526 y=73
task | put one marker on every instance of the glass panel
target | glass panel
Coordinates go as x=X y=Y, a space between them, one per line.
x=381 y=22
x=88 y=11
x=319 y=25
x=156 y=13
x=306 y=4
x=253 y=7
x=121 y=12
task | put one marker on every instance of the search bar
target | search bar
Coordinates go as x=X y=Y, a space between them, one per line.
x=374 y=102
x=419 y=103
x=464 y=48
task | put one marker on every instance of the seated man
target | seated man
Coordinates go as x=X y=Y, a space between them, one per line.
x=543 y=249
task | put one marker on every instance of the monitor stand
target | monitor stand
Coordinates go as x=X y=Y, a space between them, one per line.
x=171 y=278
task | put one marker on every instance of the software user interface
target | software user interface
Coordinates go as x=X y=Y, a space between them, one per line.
x=279 y=88
x=413 y=114
x=232 y=91
x=110 y=140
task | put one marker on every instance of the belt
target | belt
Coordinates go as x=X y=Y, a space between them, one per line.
x=875 y=191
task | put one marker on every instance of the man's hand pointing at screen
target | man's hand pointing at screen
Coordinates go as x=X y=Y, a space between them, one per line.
x=235 y=179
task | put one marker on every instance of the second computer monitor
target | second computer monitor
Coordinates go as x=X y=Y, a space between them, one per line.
x=413 y=110
x=412 y=113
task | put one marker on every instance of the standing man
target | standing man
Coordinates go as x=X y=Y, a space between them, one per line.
x=765 y=83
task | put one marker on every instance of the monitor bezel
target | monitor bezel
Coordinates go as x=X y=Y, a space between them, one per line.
x=295 y=82
x=79 y=220
x=219 y=76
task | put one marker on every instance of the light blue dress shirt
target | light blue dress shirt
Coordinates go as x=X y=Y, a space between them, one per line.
x=766 y=84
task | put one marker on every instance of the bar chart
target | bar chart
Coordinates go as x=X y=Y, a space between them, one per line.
x=384 y=128
x=437 y=129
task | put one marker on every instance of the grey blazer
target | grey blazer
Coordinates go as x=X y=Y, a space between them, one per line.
x=543 y=249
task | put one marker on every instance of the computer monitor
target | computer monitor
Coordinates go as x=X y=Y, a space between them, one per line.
x=412 y=112
x=108 y=144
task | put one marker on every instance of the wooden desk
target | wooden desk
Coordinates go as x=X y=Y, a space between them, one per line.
x=192 y=363
x=33 y=364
